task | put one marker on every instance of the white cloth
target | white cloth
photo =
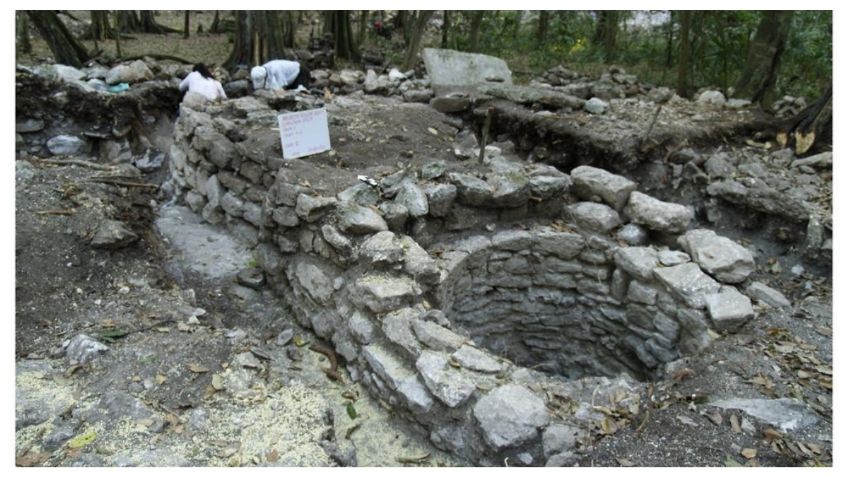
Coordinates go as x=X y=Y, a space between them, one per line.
x=275 y=74
x=207 y=87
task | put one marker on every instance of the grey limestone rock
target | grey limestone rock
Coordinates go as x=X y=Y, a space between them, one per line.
x=382 y=293
x=82 y=349
x=476 y=360
x=359 y=220
x=637 y=261
x=471 y=190
x=594 y=216
x=688 y=282
x=719 y=256
x=768 y=295
x=447 y=384
x=440 y=198
x=658 y=215
x=591 y=182
x=413 y=198
x=729 y=309
x=382 y=248
x=311 y=208
x=510 y=415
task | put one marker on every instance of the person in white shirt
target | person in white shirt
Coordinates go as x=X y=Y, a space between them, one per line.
x=202 y=82
x=277 y=74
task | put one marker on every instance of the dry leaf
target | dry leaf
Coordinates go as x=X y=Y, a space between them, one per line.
x=160 y=379
x=433 y=131
x=31 y=459
x=624 y=462
x=749 y=453
x=734 y=424
x=217 y=382
x=272 y=456
x=715 y=418
x=772 y=434
x=196 y=368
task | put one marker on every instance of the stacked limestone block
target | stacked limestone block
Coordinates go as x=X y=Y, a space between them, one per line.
x=425 y=331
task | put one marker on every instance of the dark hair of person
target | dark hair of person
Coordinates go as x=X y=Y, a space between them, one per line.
x=203 y=70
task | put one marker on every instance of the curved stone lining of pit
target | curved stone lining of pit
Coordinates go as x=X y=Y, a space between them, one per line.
x=559 y=270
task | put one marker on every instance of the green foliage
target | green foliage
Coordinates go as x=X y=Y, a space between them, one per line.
x=720 y=42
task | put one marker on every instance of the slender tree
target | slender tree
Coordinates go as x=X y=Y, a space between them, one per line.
x=446 y=24
x=542 y=29
x=363 y=27
x=764 y=53
x=684 y=53
x=474 y=33
x=216 y=23
x=606 y=33
x=117 y=33
x=24 y=43
x=65 y=48
x=186 y=25
x=420 y=26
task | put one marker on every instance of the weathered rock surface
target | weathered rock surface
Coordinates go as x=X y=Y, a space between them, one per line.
x=83 y=349
x=591 y=183
x=447 y=384
x=510 y=415
x=719 y=256
x=768 y=295
x=658 y=215
x=688 y=282
x=729 y=309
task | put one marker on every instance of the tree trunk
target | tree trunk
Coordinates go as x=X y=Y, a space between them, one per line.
x=813 y=125
x=290 y=29
x=24 y=43
x=337 y=22
x=272 y=36
x=149 y=24
x=117 y=34
x=684 y=53
x=516 y=27
x=606 y=33
x=100 y=28
x=363 y=27
x=216 y=23
x=542 y=30
x=764 y=53
x=399 y=22
x=186 y=24
x=415 y=42
x=65 y=48
x=474 y=33
x=669 y=40
x=128 y=21
x=242 y=53
x=445 y=28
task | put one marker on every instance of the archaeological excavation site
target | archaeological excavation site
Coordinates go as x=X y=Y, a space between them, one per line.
x=577 y=270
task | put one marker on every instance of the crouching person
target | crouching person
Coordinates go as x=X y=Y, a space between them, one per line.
x=201 y=82
x=280 y=74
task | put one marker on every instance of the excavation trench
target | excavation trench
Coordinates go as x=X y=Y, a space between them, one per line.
x=471 y=299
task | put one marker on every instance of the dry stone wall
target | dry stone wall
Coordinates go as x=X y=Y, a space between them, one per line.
x=439 y=290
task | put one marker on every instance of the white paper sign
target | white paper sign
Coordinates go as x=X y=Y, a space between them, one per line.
x=304 y=133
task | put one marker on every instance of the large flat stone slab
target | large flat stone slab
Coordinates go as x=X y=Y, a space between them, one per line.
x=719 y=256
x=688 y=282
x=449 y=69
